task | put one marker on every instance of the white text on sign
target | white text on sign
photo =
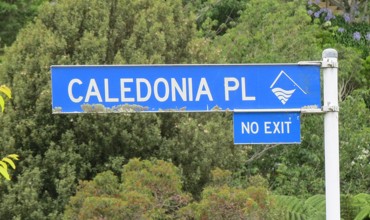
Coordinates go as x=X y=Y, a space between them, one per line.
x=268 y=127
x=160 y=89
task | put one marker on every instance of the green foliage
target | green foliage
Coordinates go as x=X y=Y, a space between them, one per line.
x=148 y=190
x=294 y=169
x=366 y=70
x=355 y=143
x=93 y=197
x=278 y=32
x=146 y=186
x=258 y=181
x=24 y=197
x=346 y=209
x=298 y=170
x=215 y=17
x=354 y=35
x=355 y=206
x=221 y=177
x=294 y=208
x=224 y=202
x=352 y=75
x=158 y=178
x=121 y=31
x=13 y=16
x=362 y=203
x=152 y=190
x=352 y=207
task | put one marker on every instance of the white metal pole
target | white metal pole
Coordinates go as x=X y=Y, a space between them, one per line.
x=331 y=108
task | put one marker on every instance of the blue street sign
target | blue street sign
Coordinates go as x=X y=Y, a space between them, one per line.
x=267 y=128
x=184 y=87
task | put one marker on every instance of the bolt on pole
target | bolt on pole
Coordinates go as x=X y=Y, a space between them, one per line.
x=331 y=133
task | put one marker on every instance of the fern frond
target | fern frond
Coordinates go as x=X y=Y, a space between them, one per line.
x=2 y=103
x=9 y=161
x=363 y=214
x=4 y=173
x=362 y=202
x=4 y=89
x=293 y=207
x=361 y=199
x=317 y=206
x=317 y=202
x=13 y=156
x=298 y=209
x=4 y=165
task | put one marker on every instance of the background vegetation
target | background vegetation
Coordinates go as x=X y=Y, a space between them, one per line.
x=86 y=166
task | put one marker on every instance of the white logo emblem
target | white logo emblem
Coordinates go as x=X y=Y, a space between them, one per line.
x=283 y=94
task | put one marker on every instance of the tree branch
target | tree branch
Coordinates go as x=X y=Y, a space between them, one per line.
x=261 y=153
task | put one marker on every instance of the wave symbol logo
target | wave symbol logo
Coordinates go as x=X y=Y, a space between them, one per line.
x=283 y=95
x=284 y=87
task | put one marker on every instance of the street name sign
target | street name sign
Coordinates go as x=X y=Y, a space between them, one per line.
x=267 y=128
x=266 y=99
x=193 y=88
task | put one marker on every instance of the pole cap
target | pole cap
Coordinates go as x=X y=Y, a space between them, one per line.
x=329 y=53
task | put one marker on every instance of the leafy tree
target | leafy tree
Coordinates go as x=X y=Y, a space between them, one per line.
x=152 y=189
x=148 y=190
x=215 y=17
x=355 y=143
x=278 y=32
x=230 y=203
x=24 y=197
x=13 y=16
x=352 y=75
x=221 y=200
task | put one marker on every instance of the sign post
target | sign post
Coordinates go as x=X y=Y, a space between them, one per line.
x=331 y=108
x=267 y=99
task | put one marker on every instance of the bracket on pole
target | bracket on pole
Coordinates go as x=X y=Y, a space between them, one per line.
x=332 y=108
x=329 y=63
